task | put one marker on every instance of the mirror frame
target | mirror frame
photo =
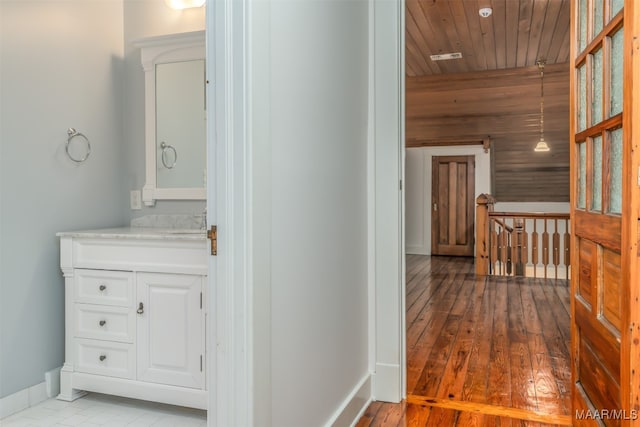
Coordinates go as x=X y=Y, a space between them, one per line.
x=159 y=50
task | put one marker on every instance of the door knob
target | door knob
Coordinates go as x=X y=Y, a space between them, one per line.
x=102 y=357
x=140 y=309
x=102 y=322
x=102 y=287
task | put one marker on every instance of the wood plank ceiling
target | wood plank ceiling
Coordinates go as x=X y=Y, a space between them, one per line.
x=517 y=34
x=493 y=91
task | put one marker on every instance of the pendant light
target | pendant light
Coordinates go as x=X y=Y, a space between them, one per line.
x=541 y=146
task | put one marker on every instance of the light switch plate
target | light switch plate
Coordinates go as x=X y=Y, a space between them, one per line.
x=136 y=200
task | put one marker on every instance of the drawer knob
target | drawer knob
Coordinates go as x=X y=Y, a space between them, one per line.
x=102 y=287
x=102 y=357
x=102 y=322
x=140 y=309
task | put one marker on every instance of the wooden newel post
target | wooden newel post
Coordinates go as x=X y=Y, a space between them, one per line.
x=484 y=205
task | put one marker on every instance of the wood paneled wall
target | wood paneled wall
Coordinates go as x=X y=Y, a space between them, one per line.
x=504 y=105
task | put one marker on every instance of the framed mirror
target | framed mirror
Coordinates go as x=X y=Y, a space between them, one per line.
x=175 y=117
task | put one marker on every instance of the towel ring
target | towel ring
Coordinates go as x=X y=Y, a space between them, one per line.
x=72 y=134
x=166 y=147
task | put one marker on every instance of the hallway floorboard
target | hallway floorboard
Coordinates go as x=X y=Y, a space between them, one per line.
x=481 y=351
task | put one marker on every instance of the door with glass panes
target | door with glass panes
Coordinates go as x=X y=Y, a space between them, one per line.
x=604 y=214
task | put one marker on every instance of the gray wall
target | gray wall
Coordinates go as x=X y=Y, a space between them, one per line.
x=309 y=111
x=61 y=67
x=66 y=64
x=145 y=18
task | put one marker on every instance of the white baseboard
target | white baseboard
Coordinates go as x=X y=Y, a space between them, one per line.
x=387 y=383
x=354 y=405
x=417 y=250
x=551 y=273
x=52 y=378
x=13 y=403
x=23 y=399
x=30 y=396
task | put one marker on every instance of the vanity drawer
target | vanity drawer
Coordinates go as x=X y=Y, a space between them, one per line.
x=111 y=359
x=104 y=287
x=103 y=322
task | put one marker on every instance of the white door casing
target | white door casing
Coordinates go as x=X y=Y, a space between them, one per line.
x=387 y=211
x=229 y=353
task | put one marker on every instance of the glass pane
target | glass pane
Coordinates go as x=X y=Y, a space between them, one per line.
x=616 y=73
x=596 y=199
x=596 y=76
x=582 y=22
x=582 y=98
x=615 y=165
x=598 y=17
x=616 y=6
x=582 y=175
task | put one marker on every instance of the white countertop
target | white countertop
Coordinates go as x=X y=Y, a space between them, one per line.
x=138 y=233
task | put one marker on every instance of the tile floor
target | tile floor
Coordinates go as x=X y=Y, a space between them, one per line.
x=103 y=410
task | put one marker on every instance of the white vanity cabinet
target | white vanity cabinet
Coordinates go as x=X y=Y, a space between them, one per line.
x=135 y=314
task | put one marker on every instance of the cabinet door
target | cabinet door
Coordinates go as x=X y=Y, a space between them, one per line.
x=170 y=329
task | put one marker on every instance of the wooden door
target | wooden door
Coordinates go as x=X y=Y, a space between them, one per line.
x=170 y=327
x=452 y=205
x=604 y=213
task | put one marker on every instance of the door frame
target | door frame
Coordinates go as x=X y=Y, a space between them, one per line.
x=386 y=163
x=228 y=326
x=631 y=210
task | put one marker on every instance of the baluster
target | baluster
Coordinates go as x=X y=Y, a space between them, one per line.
x=525 y=246
x=494 y=241
x=515 y=247
x=534 y=248
x=503 y=252
x=518 y=227
x=545 y=248
x=492 y=246
x=509 y=249
x=556 y=247
x=567 y=248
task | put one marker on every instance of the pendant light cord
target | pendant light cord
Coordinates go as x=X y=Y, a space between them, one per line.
x=541 y=63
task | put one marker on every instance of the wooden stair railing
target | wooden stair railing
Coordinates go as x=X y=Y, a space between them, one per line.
x=500 y=244
x=521 y=243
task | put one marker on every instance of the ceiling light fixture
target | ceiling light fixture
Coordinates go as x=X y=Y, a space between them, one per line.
x=446 y=56
x=184 y=4
x=541 y=146
x=485 y=12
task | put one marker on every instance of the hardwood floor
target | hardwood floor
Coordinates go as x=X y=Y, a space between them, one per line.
x=481 y=351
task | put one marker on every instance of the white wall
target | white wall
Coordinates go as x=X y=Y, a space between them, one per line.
x=418 y=190
x=309 y=114
x=146 y=18
x=556 y=207
x=60 y=67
